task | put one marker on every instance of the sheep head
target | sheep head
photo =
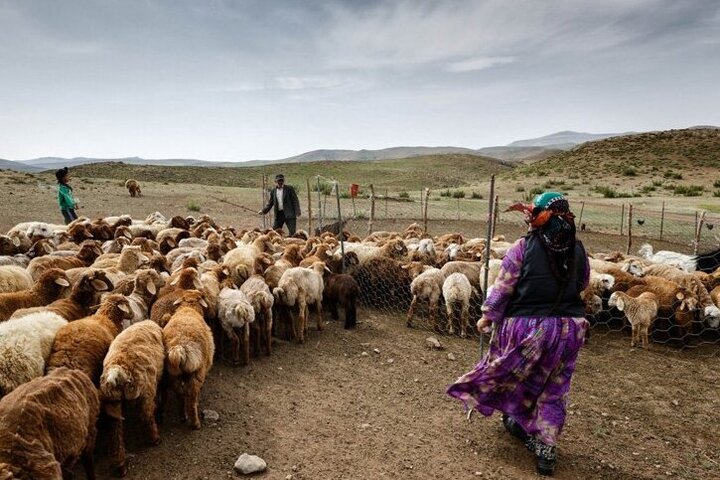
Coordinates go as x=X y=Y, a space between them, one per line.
x=189 y=278
x=51 y=284
x=396 y=248
x=117 y=308
x=192 y=299
x=414 y=268
x=89 y=251
x=712 y=316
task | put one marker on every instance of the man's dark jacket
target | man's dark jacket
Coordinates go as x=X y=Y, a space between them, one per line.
x=291 y=204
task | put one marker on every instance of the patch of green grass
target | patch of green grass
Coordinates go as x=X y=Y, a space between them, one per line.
x=458 y=194
x=689 y=190
x=403 y=194
x=672 y=175
x=716 y=184
x=609 y=192
x=475 y=195
x=536 y=191
x=193 y=206
x=716 y=193
x=519 y=188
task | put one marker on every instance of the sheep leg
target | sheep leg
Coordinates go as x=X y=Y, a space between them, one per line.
x=411 y=311
x=234 y=344
x=246 y=344
x=88 y=463
x=300 y=332
x=148 y=417
x=268 y=330
x=191 y=403
x=645 y=340
x=450 y=310
x=318 y=308
x=433 y=314
x=634 y=335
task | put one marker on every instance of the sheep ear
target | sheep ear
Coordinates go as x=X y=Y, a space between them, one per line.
x=113 y=410
x=398 y=247
x=620 y=304
x=203 y=303
x=178 y=301
x=99 y=285
x=150 y=287
x=680 y=295
x=226 y=271
x=124 y=308
x=97 y=251
x=198 y=284
x=94 y=308
x=171 y=242
x=62 y=282
x=143 y=258
x=47 y=249
x=16 y=241
x=127 y=234
x=404 y=267
x=174 y=282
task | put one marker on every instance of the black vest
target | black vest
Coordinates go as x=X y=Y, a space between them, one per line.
x=538 y=293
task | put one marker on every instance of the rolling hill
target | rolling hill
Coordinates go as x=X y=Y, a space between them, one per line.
x=564 y=140
x=691 y=154
x=17 y=166
x=435 y=171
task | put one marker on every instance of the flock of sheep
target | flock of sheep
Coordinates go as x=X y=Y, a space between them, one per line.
x=97 y=314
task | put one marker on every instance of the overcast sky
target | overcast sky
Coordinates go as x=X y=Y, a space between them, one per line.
x=243 y=80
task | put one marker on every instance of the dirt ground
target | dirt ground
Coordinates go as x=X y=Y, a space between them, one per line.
x=324 y=410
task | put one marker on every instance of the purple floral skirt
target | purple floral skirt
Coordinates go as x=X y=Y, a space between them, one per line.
x=526 y=373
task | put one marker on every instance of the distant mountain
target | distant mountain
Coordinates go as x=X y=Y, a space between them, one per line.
x=17 y=166
x=382 y=154
x=49 y=163
x=564 y=140
x=517 y=154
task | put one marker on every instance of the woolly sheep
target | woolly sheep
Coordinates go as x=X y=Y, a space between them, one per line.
x=25 y=345
x=457 y=291
x=260 y=297
x=14 y=279
x=302 y=287
x=427 y=286
x=132 y=370
x=48 y=423
x=47 y=289
x=189 y=351
x=640 y=311
x=236 y=313
x=133 y=188
x=680 y=260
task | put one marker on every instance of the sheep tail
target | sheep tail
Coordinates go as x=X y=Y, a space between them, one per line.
x=184 y=359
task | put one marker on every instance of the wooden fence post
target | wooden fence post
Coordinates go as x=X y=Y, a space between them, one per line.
x=488 y=239
x=698 y=231
x=386 y=203
x=309 y=212
x=582 y=208
x=340 y=222
x=629 y=233
x=662 y=220
x=496 y=213
x=421 y=203
x=371 y=220
x=622 y=218
x=425 y=217
x=320 y=215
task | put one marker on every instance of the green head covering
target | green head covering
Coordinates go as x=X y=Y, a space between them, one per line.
x=544 y=200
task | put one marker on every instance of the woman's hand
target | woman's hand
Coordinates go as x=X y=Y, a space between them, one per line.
x=483 y=325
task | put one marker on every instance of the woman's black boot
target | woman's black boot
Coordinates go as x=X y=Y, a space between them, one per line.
x=546 y=458
x=514 y=428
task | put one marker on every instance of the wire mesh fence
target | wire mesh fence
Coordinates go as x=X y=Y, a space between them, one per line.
x=456 y=223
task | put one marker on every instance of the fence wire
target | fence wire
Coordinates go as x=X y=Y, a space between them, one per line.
x=385 y=285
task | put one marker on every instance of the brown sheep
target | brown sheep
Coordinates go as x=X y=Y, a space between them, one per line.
x=383 y=281
x=189 y=352
x=82 y=297
x=260 y=297
x=132 y=370
x=133 y=188
x=84 y=258
x=82 y=344
x=318 y=254
x=48 y=423
x=165 y=306
x=79 y=233
x=673 y=300
x=48 y=288
x=343 y=290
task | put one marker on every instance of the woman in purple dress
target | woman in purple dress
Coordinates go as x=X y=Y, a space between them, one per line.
x=539 y=328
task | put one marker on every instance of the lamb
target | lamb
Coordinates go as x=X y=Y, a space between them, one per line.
x=457 y=291
x=236 y=313
x=77 y=305
x=132 y=370
x=84 y=258
x=133 y=188
x=640 y=311
x=673 y=300
x=48 y=423
x=383 y=280
x=241 y=260
x=25 y=347
x=14 y=279
x=302 y=287
x=471 y=270
x=427 y=284
x=189 y=352
x=165 y=305
x=116 y=245
x=82 y=344
x=343 y=290
x=425 y=252
x=47 y=289
x=10 y=245
x=319 y=254
x=260 y=297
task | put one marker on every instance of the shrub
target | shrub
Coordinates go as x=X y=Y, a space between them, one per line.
x=193 y=206
x=445 y=193
x=716 y=184
x=519 y=188
x=689 y=190
x=609 y=192
x=326 y=188
x=403 y=194
x=458 y=194
x=629 y=172
x=672 y=175
x=536 y=191
x=657 y=183
x=716 y=193
x=476 y=196
x=344 y=195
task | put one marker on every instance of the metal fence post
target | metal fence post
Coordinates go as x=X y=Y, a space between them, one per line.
x=425 y=216
x=340 y=228
x=320 y=216
x=622 y=218
x=371 y=220
x=488 y=237
x=629 y=241
x=309 y=212
x=262 y=199
x=698 y=231
x=662 y=220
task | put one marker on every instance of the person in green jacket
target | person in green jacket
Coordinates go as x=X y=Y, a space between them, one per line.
x=67 y=202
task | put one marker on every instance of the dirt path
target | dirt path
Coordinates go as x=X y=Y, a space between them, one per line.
x=325 y=411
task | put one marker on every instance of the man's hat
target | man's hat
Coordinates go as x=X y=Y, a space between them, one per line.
x=279 y=176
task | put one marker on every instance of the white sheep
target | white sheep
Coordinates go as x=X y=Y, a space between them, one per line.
x=457 y=291
x=640 y=311
x=236 y=313
x=427 y=286
x=494 y=265
x=25 y=345
x=394 y=248
x=302 y=287
x=14 y=279
x=680 y=260
x=262 y=300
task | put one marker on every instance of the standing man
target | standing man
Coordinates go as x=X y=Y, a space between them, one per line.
x=286 y=203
